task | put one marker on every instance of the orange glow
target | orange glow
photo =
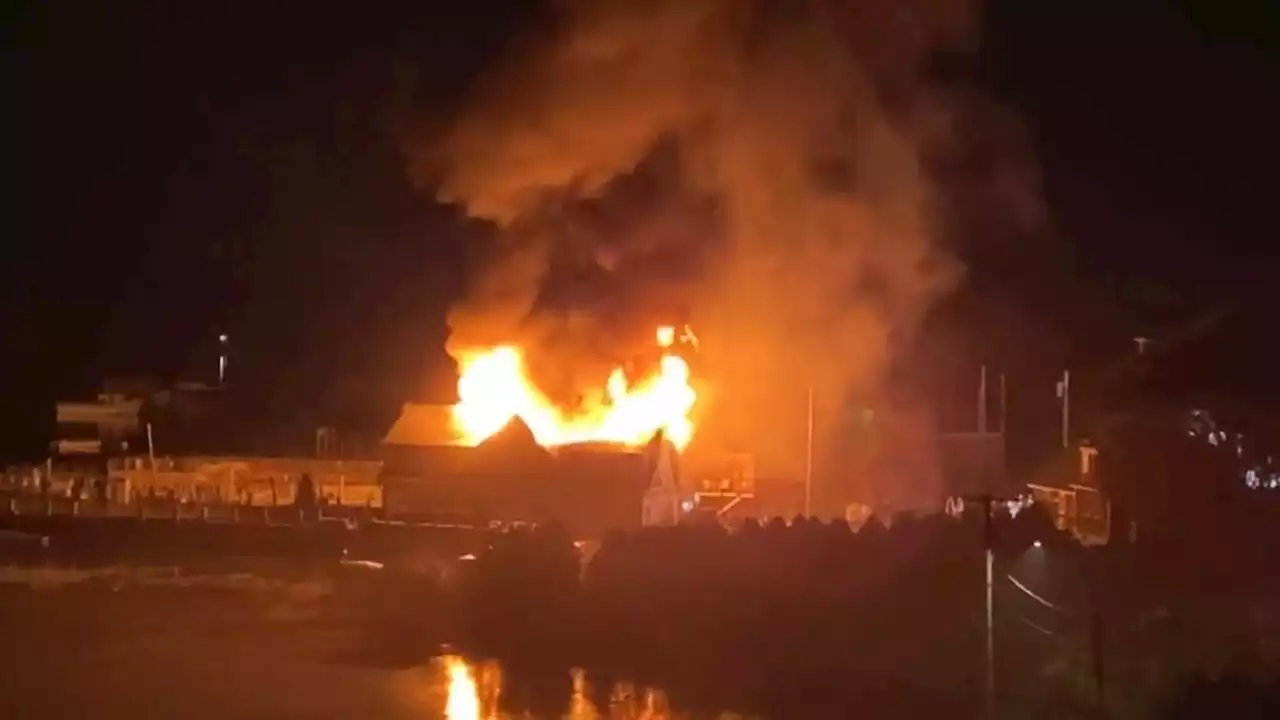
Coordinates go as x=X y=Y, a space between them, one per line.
x=494 y=388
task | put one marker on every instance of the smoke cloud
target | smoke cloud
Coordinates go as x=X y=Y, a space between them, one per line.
x=759 y=167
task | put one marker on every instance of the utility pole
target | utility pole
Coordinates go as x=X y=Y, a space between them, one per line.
x=1004 y=404
x=1064 y=392
x=151 y=455
x=988 y=541
x=222 y=359
x=1004 y=420
x=988 y=502
x=1099 y=669
x=808 y=459
x=982 y=401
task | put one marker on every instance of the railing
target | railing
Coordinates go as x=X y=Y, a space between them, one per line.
x=731 y=505
x=161 y=508
x=1080 y=510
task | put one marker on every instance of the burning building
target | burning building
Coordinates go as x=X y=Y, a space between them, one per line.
x=622 y=456
x=495 y=387
x=788 y=180
x=589 y=487
x=506 y=452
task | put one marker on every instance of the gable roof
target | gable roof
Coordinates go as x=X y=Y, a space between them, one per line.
x=423 y=426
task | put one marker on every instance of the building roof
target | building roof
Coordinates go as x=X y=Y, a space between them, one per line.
x=422 y=426
x=125 y=413
x=432 y=426
x=1067 y=469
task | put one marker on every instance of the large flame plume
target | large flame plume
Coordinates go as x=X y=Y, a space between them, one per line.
x=494 y=388
x=776 y=172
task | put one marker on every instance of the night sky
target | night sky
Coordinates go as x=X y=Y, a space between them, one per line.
x=183 y=172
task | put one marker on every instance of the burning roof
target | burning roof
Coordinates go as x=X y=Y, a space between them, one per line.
x=423 y=426
x=432 y=426
x=497 y=396
x=428 y=472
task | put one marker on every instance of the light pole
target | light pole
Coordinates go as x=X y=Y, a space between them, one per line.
x=988 y=541
x=222 y=358
x=988 y=502
x=1064 y=393
x=808 y=459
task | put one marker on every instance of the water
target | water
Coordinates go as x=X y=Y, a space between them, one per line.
x=88 y=647
x=474 y=691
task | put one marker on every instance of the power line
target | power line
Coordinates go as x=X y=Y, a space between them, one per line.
x=1036 y=597
x=1037 y=628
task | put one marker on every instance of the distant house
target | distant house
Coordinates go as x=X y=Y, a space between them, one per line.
x=116 y=422
x=107 y=426
x=427 y=475
x=1071 y=490
x=915 y=468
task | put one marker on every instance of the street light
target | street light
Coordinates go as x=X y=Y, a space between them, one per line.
x=222 y=358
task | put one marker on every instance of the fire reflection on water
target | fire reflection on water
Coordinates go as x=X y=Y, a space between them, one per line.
x=473 y=691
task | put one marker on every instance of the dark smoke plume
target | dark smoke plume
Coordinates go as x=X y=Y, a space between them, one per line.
x=759 y=165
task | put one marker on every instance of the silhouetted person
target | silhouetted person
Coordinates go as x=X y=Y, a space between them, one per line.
x=305 y=499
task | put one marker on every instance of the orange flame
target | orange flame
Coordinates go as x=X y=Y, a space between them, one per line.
x=463 y=700
x=494 y=388
x=666 y=336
